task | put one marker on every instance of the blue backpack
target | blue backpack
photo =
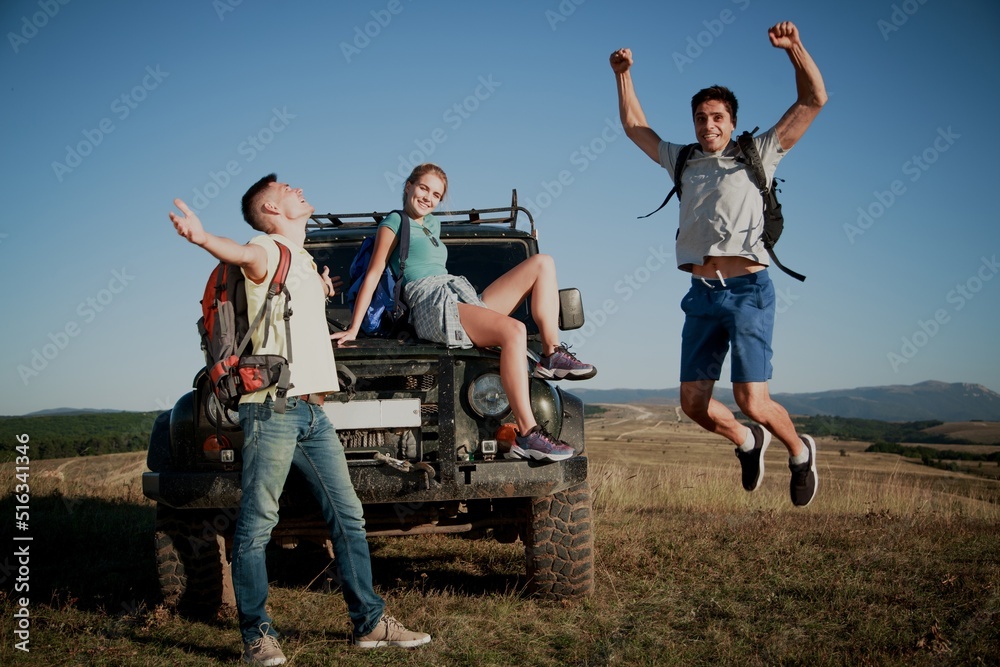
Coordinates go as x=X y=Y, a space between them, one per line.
x=387 y=313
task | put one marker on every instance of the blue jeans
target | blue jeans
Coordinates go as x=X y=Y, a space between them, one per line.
x=302 y=436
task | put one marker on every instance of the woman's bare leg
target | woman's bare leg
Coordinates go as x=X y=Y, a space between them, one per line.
x=488 y=328
x=534 y=277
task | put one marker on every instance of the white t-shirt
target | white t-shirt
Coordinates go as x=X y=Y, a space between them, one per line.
x=721 y=211
x=313 y=368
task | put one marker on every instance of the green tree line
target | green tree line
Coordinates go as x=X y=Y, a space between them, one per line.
x=87 y=434
x=872 y=430
x=939 y=458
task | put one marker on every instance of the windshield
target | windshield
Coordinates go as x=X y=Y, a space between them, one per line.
x=480 y=260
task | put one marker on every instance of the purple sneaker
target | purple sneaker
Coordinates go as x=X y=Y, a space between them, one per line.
x=563 y=365
x=539 y=445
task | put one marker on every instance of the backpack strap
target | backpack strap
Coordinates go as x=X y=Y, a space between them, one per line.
x=404 y=252
x=276 y=287
x=749 y=150
x=772 y=209
x=682 y=158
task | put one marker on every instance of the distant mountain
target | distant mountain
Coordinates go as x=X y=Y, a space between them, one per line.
x=926 y=400
x=957 y=401
x=63 y=412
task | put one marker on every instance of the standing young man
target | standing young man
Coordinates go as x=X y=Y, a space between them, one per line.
x=302 y=435
x=731 y=300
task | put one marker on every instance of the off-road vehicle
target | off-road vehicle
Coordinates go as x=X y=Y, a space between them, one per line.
x=425 y=429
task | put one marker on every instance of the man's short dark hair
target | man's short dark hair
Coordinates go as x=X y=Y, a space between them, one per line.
x=720 y=93
x=250 y=206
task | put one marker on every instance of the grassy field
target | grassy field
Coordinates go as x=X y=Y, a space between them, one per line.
x=894 y=563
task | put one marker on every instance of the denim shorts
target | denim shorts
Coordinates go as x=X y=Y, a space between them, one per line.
x=433 y=302
x=737 y=314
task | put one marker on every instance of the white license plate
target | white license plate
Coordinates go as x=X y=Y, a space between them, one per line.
x=395 y=413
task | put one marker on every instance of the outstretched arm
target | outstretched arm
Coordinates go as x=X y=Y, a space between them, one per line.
x=808 y=85
x=633 y=119
x=251 y=257
x=385 y=239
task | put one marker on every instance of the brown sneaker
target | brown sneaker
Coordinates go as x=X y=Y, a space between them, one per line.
x=390 y=632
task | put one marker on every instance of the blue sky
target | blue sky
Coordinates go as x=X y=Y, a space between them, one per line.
x=112 y=109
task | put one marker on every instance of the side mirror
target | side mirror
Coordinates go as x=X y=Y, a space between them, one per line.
x=570 y=309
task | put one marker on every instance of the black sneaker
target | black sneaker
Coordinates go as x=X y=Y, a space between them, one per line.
x=804 y=477
x=752 y=462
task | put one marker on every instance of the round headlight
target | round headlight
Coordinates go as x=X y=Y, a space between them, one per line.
x=218 y=416
x=487 y=397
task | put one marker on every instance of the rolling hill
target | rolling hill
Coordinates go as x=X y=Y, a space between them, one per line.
x=957 y=401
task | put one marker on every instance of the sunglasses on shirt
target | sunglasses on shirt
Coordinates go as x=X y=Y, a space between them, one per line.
x=433 y=238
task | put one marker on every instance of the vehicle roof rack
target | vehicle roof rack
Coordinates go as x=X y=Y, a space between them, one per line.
x=482 y=216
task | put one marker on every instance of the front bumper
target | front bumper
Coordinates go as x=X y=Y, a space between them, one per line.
x=378 y=483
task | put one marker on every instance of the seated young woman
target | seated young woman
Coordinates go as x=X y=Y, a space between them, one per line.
x=446 y=309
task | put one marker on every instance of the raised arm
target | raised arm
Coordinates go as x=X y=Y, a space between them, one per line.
x=251 y=257
x=808 y=85
x=633 y=119
x=385 y=241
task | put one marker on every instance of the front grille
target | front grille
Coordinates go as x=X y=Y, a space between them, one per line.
x=388 y=378
x=391 y=383
x=421 y=382
x=366 y=439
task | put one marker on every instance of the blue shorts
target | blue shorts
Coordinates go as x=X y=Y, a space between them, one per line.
x=738 y=314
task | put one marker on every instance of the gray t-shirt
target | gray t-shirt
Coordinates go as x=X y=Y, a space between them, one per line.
x=721 y=212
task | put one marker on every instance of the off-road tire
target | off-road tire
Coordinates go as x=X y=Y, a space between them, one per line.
x=191 y=562
x=559 y=545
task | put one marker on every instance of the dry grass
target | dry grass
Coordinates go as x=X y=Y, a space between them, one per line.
x=893 y=564
x=656 y=460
